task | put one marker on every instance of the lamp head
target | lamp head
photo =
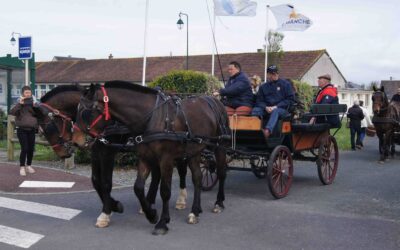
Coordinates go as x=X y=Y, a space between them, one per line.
x=180 y=23
x=12 y=41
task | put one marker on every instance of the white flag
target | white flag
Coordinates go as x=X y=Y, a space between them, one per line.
x=235 y=8
x=288 y=19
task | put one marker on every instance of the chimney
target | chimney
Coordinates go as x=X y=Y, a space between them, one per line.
x=170 y=54
x=260 y=50
x=391 y=78
x=110 y=56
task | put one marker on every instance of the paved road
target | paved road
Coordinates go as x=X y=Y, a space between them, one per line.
x=361 y=210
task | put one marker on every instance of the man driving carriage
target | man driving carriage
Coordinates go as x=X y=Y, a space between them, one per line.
x=274 y=98
x=238 y=92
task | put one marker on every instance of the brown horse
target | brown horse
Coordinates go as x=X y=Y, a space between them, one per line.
x=164 y=130
x=384 y=120
x=56 y=114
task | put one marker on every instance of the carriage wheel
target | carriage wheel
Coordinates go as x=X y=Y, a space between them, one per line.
x=280 y=171
x=209 y=172
x=259 y=167
x=328 y=160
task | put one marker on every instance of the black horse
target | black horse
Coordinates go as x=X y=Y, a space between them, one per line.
x=385 y=120
x=56 y=113
x=165 y=130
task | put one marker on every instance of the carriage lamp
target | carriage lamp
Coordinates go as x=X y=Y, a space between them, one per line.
x=180 y=24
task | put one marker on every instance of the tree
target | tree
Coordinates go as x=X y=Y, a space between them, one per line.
x=275 y=49
x=275 y=41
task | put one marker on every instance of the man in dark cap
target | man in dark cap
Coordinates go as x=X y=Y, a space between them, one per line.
x=327 y=94
x=273 y=99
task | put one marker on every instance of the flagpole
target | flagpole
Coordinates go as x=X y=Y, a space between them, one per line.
x=145 y=43
x=213 y=46
x=266 y=46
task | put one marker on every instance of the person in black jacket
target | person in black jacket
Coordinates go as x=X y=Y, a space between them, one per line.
x=274 y=98
x=396 y=97
x=26 y=124
x=238 y=92
x=355 y=114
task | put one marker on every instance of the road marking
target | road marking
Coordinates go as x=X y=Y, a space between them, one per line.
x=38 y=208
x=19 y=238
x=46 y=184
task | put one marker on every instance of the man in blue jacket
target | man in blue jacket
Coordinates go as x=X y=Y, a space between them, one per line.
x=274 y=98
x=238 y=93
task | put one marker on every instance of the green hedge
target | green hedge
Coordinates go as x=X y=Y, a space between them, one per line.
x=187 y=82
x=305 y=93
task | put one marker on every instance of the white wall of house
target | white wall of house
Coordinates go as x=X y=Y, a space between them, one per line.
x=324 y=65
x=348 y=96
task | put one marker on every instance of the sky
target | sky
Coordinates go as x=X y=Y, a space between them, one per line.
x=362 y=37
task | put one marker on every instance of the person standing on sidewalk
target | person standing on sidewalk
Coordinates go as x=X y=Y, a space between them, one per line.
x=355 y=114
x=26 y=124
x=365 y=123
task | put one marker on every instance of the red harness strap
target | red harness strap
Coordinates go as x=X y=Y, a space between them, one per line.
x=105 y=100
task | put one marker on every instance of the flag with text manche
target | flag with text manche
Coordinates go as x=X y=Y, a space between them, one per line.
x=235 y=8
x=288 y=19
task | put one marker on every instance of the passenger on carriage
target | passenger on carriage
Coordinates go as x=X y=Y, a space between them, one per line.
x=327 y=94
x=238 y=93
x=274 y=98
x=396 y=97
x=255 y=82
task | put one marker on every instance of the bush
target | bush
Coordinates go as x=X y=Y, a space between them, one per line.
x=83 y=156
x=187 y=82
x=305 y=92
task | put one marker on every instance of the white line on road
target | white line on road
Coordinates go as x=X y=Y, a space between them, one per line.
x=46 y=184
x=19 y=238
x=38 y=208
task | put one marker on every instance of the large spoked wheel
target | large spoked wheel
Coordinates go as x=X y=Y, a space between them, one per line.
x=259 y=167
x=208 y=171
x=328 y=160
x=280 y=171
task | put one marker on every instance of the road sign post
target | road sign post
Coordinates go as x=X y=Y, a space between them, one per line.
x=25 y=53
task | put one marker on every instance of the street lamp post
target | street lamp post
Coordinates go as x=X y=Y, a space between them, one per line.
x=26 y=61
x=180 y=24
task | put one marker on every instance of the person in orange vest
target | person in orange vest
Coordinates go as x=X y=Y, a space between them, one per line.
x=327 y=94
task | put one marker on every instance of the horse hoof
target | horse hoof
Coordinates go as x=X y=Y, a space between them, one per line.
x=181 y=201
x=160 y=231
x=217 y=209
x=141 y=211
x=381 y=162
x=103 y=220
x=192 y=219
x=119 y=208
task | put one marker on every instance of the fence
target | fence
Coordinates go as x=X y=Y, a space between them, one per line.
x=11 y=140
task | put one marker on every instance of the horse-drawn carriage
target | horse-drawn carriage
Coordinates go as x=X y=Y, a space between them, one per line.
x=272 y=158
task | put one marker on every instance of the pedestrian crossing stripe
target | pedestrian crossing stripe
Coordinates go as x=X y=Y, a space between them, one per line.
x=46 y=184
x=39 y=208
x=17 y=237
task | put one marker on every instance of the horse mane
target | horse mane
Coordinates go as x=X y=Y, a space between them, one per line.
x=130 y=86
x=57 y=90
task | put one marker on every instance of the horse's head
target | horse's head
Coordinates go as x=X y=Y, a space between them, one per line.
x=56 y=127
x=92 y=116
x=55 y=115
x=379 y=101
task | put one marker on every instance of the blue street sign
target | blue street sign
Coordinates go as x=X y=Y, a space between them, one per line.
x=25 y=47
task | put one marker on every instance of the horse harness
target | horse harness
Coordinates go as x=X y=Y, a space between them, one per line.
x=53 y=112
x=161 y=105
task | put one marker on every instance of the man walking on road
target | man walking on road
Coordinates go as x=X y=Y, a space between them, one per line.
x=355 y=114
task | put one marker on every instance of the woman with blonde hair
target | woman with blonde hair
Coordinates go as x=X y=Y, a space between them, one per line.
x=255 y=83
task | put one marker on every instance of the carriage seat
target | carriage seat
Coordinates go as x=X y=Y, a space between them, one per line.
x=306 y=127
x=317 y=110
x=239 y=122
